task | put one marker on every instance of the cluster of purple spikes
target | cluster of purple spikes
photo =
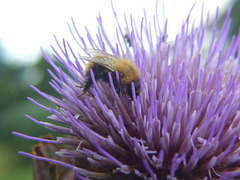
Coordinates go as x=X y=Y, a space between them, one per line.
x=185 y=124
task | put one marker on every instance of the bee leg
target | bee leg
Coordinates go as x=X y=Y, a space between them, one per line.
x=86 y=87
x=129 y=91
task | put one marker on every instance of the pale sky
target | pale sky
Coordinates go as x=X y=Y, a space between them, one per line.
x=27 y=25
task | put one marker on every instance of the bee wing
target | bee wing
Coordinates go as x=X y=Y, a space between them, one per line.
x=102 y=58
x=99 y=52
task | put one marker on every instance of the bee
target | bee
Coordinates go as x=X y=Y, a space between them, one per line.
x=127 y=39
x=102 y=63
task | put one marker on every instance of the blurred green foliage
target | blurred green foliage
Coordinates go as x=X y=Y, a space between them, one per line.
x=235 y=18
x=13 y=106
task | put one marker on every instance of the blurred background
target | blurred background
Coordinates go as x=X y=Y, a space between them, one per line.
x=26 y=26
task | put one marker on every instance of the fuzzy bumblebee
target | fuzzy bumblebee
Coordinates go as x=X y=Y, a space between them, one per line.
x=102 y=63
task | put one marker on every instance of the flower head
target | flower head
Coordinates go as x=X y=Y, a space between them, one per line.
x=185 y=123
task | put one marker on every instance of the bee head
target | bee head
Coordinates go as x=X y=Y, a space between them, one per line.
x=137 y=88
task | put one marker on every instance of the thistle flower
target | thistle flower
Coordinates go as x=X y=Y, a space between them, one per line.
x=185 y=123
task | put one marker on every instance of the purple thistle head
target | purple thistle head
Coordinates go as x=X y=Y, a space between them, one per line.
x=184 y=124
